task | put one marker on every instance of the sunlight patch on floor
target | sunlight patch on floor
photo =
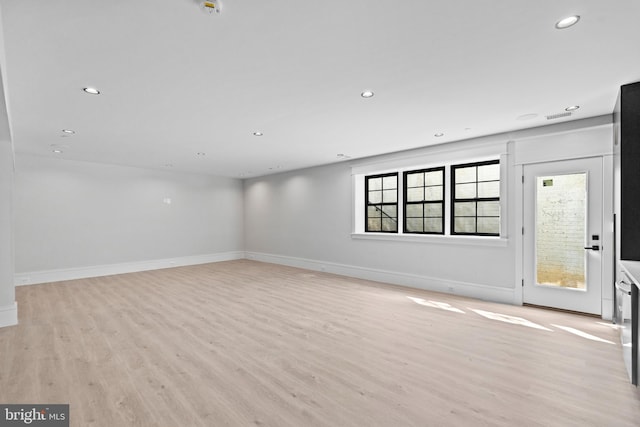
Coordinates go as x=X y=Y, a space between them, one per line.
x=510 y=319
x=582 y=334
x=514 y=320
x=436 y=304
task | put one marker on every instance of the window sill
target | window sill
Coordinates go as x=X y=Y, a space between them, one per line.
x=435 y=239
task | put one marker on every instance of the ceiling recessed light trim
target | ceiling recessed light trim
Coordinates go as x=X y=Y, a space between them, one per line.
x=572 y=108
x=438 y=135
x=68 y=131
x=567 y=22
x=367 y=94
x=201 y=153
x=91 y=90
x=257 y=133
x=58 y=151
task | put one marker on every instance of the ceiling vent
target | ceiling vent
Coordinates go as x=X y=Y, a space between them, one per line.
x=559 y=115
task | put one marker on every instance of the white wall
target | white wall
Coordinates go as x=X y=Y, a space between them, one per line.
x=8 y=306
x=305 y=218
x=8 y=310
x=78 y=219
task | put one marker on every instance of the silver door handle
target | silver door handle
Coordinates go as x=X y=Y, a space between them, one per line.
x=593 y=248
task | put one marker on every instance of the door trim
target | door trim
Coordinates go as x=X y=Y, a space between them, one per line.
x=607 y=238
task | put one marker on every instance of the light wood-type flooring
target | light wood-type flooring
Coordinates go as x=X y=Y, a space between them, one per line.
x=244 y=343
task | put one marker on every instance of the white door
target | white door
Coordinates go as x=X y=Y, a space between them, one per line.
x=562 y=235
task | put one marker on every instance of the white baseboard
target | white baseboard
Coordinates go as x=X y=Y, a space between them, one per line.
x=9 y=315
x=47 y=276
x=471 y=290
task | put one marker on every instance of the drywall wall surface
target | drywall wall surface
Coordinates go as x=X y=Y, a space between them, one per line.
x=308 y=215
x=71 y=214
x=8 y=307
x=7 y=295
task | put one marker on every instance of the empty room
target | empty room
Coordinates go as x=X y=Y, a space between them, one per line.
x=292 y=213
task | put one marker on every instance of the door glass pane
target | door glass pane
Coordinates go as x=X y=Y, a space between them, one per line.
x=561 y=203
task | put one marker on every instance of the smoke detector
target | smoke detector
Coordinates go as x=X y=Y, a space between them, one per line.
x=211 y=7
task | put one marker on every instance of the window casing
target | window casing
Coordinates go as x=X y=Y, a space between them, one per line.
x=424 y=201
x=381 y=196
x=475 y=199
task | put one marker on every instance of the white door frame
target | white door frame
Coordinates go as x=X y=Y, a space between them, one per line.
x=606 y=238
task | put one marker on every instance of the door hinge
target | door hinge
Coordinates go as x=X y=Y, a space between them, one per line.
x=523 y=179
x=523 y=283
x=523 y=231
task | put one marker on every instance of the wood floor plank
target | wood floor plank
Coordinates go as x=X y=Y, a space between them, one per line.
x=244 y=343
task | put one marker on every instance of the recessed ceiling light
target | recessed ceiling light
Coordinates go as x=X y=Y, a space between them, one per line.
x=438 y=135
x=69 y=131
x=572 y=108
x=58 y=151
x=91 y=90
x=258 y=133
x=567 y=22
x=366 y=94
x=200 y=153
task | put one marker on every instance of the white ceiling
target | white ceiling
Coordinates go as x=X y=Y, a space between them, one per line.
x=176 y=81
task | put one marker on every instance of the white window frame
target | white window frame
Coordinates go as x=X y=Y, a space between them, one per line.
x=435 y=157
